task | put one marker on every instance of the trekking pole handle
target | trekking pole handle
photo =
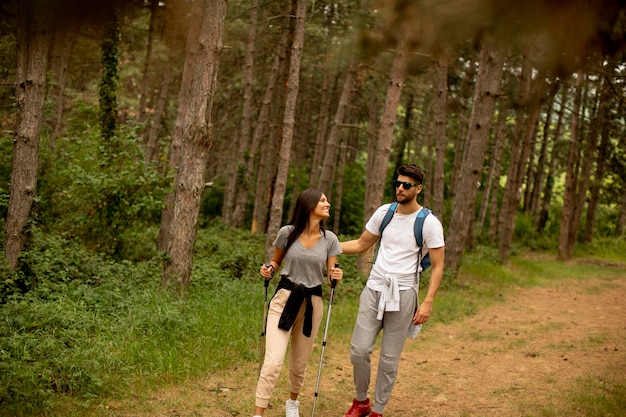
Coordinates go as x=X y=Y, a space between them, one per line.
x=268 y=266
x=333 y=282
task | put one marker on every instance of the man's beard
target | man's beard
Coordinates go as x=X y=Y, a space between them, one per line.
x=405 y=199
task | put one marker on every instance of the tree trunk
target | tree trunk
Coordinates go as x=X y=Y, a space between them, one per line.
x=263 y=128
x=153 y=148
x=141 y=112
x=197 y=139
x=542 y=218
x=62 y=46
x=322 y=120
x=32 y=58
x=600 y=126
x=174 y=156
x=525 y=134
x=240 y=174
x=487 y=86
x=588 y=159
x=379 y=157
x=495 y=168
x=440 y=134
x=465 y=95
x=534 y=202
x=339 y=190
x=405 y=135
x=330 y=153
x=571 y=177
x=293 y=84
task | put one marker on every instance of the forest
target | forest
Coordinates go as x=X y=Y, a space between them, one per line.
x=130 y=128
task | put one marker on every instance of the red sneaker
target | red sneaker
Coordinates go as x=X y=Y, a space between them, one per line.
x=359 y=409
x=375 y=414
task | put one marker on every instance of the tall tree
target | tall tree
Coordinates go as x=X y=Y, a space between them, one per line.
x=440 y=132
x=380 y=147
x=141 y=111
x=330 y=153
x=174 y=156
x=487 y=87
x=588 y=159
x=525 y=135
x=237 y=182
x=571 y=177
x=293 y=85
x=197 y=139
x=30 y=88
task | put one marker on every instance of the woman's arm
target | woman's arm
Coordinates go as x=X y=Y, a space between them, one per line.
x=333 y=273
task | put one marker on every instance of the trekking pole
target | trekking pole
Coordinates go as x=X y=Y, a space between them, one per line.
x=266 y=284
x=333 y=283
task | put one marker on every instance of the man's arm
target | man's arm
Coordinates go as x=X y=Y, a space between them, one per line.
x=360 y=245
x=436 y=276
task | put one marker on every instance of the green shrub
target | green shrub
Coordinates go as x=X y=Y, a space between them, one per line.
x=102 y=195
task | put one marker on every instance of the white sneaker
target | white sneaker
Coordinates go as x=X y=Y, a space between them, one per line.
x=291 y=408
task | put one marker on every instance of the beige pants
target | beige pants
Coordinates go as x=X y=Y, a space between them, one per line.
x=276 y=343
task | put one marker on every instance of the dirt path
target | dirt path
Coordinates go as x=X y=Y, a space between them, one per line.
x=500 y=362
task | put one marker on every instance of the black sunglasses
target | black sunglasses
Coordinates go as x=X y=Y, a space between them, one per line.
x=405 y=184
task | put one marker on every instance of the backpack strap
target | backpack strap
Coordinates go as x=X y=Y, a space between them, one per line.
x=419 y=238
x=387 y=218
x=419 y=225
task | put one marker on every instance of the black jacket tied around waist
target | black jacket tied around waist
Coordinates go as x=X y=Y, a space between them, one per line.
x=299 y=294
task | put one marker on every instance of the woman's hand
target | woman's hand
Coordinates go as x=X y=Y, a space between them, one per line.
x=336 y=273
x=267 y=270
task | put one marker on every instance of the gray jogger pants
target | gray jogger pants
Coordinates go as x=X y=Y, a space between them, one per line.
x=396 y=325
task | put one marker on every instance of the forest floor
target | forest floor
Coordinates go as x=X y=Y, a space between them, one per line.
x=519 y=355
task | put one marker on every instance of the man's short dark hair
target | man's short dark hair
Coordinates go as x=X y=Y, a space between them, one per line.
x=411 y=170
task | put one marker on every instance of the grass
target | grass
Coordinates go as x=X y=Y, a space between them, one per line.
x=587 y=397
x=75 y=340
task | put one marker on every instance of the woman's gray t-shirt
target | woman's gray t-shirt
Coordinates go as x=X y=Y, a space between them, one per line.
x=306 y=266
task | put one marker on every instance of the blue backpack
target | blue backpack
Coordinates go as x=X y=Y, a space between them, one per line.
x=417 y=229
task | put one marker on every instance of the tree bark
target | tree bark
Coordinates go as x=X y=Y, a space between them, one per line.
x=32 y=58
x=293 y=84
x=487 y=86
x=62 y=46
x=141 y=112
x=379 y=157
x=525 y=133
x=571 y=177
x=197 y=139
x=153 y=149
x=174 y=157
x=330 y=153
x=464 y=115
x=548 y=187
x=495 y=161
x=237 y=182
x=264 y=128
x=440 y=133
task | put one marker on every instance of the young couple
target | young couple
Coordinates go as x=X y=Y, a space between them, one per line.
x=305 y=249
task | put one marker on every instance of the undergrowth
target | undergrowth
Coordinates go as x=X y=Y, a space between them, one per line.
x=77 y=327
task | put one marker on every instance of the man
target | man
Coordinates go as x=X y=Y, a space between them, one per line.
x=390 y=298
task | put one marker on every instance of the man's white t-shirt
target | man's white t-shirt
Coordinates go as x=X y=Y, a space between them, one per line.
x=397 y=253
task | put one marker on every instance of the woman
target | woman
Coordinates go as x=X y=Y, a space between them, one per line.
x=296 y=309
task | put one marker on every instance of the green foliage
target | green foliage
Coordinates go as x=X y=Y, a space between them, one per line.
x=104 y=196
x=352 y=200
x=91 y=327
